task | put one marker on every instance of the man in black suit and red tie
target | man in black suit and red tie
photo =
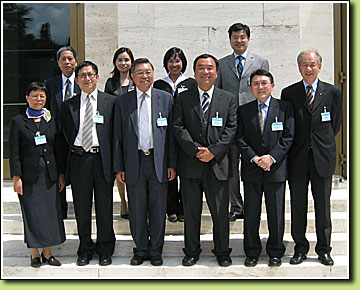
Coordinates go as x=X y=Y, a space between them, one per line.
x=87 y=126
x=205 y=126
x=61 y=88
x=312 y=157
x=264 y=135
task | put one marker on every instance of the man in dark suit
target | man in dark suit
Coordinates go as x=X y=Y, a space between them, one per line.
x=145 y=159
x=234 y=77
x=264 y=135
x=60 y=88
x=205 y=126
x=87 y=125
x=312 y=157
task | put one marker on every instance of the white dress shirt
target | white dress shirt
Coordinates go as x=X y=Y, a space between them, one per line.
x=148 y=103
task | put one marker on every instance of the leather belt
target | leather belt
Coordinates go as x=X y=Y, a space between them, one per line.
x=80 y=151
x=147 y=153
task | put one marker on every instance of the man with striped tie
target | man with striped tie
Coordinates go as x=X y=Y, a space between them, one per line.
x=312 y=157
x=204 y=126
x=87 y=125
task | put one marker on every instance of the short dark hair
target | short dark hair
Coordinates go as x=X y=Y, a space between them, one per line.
x=170 y=53
x=86 y=63
x=206 y=55
x=64 y=48
x=238 y=27
x=262 y=72
x=138 y=61
x=36 y=86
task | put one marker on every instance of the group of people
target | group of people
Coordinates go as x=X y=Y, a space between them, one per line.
x=146 y=134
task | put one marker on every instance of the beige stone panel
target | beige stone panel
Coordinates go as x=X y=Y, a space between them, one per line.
x=281 y=14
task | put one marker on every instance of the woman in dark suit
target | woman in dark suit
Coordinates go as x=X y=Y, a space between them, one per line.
x=33 y=167
x=117 y=85
x=175 y=64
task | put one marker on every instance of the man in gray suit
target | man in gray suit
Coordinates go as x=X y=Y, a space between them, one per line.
x=145 y=159
x=234 y=77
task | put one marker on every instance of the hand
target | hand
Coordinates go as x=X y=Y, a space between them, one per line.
x=18 y=186
x=171 y=173
x=61 y=182
x=265 y=162
x=120 y=176
x=204 y=154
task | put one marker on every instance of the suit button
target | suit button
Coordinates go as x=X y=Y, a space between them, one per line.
x=200 y=135
x=45 y=150
x=47 y=162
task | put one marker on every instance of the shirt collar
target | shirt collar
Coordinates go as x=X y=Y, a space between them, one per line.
x=94 y=94
x=244 y=54
x=210 y=92
x=313 y=85
x=139 y=93
x=178 y=80
x=64 y=79
x=267 y=102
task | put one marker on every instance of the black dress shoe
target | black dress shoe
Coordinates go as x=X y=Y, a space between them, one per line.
x=105 y=260
x=274 y=262
x=83 y=260
x=35 y=262
x=297 y=259
x=224 y=261
x=172 y=219
x=51 y=261
x=180 y=218
x=125 y=216
x=156 y=261
x=233 y=216
x=137 y=260
x=189 y=261
x=250 y=262
x=326 y=260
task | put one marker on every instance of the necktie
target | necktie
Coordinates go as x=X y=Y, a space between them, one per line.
x=144 y=136
x=68 y=93
x=87 y=139
x=205 y=103
x=310 y=97
x=240 y=65
x=261 y=117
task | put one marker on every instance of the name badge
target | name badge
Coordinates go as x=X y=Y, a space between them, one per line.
x=182 y=89
x=277 y=126
x=98 y=119
x=40 y=139
x=161 y=122
x=248 y=82
x=217 y=122
x=325 y=117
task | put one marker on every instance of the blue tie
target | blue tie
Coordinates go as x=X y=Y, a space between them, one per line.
x=205 y=103
x=240 y=66
x=144 y=136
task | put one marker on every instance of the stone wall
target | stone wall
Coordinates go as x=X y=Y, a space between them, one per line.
x=278 y=31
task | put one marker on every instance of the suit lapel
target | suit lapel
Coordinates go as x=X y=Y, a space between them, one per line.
x=74 y=107
x=30 y=124
x=195 y=101
x=299 y=92
x=155 y=109
x=133 y=112
x=58 y=92
x=273 y=112
x=320 y=92
x=248 y=62
x=254 y=117
x=231 y=63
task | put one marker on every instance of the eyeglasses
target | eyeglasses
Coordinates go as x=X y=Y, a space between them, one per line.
x=84 y=75
x=264 y=84
x=34 y=97
x=140 y=73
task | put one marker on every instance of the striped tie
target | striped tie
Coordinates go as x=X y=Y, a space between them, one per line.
x=240 y=65
x=310 y=97
x=261 y=117
x=87 y=139
x=205 y=103
x=144 y=135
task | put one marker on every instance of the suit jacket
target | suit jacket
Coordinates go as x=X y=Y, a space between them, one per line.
x=311 y=130
x=55 y=96
x=24 y=155
x=126 y=155
x=117 y=90
x=228 y=78
x=251 y=142
x=188 y=132
x=70 y=119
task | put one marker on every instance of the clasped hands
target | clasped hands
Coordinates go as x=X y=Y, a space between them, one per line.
x=264 y=162
x=204 y=154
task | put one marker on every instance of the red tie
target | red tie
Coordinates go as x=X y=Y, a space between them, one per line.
x=310 y=97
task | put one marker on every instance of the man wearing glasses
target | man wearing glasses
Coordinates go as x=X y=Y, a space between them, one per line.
x=87 y=125
x=145 y=159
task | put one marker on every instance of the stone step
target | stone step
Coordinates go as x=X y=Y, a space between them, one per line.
x=14 y=246
x=13 y=224
x=206 y=268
